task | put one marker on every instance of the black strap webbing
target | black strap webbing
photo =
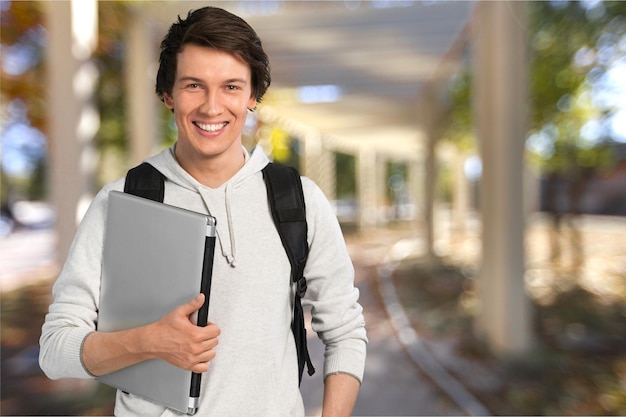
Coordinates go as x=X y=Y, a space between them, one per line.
x=286 y=198
x=145 y=181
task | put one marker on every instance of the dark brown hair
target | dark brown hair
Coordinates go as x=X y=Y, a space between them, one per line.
x=214 y=28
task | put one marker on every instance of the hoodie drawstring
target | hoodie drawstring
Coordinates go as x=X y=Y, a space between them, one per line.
x=228 y=253
x=231 y=231
x=254 y=161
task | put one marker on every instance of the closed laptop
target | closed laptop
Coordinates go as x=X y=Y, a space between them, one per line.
x=155 y=258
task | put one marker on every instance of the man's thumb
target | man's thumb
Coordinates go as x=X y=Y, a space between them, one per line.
x=194 y=304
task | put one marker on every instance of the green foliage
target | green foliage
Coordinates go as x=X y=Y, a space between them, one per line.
x=21 y=26
x=111 y=140
x=555 y=35
x=566 y=43
x=569 y=49
x=346 y=176
x=460 y=126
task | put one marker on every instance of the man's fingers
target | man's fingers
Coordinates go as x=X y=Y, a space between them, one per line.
x=202 y=361
x=193 y=305
x=200 y=367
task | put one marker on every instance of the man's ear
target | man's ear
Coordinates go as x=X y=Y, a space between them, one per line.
x=169 y=101
x=252 y=103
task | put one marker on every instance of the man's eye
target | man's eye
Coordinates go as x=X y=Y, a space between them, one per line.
x=193 y=85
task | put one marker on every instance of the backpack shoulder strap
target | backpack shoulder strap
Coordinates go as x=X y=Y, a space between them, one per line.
x=286 y=199
x=145 y=181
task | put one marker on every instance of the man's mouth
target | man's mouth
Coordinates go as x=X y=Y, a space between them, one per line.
x=211 y=127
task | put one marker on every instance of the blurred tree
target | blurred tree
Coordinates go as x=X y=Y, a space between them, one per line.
x=460 y=129
x=22 y=35
x=346 y=176
x=573 y=46
x=111 y=140
x=22 y=93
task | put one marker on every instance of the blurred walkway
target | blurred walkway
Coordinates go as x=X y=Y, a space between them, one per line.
x=405 y=374
x=394 y=385
x=402 y=377
x=26 y=256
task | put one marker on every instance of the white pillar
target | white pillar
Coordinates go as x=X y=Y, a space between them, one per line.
x=141 y=100
x=415 y=186
x=366 y=178
x=430 y=185
x=319 y=165
x=460 y=194
x=327 y=172
x=382 y=185
x=432 y=116
x=74 y=120
x=501 y=108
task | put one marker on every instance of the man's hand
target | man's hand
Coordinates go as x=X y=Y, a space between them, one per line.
x=178 y=341
x=174 y=338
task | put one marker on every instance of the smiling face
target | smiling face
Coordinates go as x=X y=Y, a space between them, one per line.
x=211 y=96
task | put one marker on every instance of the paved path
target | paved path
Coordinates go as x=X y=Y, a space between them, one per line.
x=26 y=256
x=393 y=384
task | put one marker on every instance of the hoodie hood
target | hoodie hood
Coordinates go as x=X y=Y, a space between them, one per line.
x=215 y=200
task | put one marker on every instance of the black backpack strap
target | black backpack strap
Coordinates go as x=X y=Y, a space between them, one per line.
x=145 y=181
x=286 y=198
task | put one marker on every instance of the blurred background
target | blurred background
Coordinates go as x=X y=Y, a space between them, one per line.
x=475 y=153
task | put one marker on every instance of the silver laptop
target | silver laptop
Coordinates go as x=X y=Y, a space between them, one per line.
x=155 y=258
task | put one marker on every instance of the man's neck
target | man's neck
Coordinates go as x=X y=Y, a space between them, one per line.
x=212 y=171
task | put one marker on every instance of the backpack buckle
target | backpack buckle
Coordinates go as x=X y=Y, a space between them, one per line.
x=301 y=287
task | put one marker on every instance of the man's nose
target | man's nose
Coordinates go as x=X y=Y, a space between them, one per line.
x=211 y=106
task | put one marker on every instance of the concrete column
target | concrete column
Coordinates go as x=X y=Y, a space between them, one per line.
x=430 y=186
x=382 y=185
x=501 y=105
x=460 y=194
x=72 y=29
x=141 y=101
x=319 y=164
x=327 y=179
x=309 y=157
x=415 y=185
x=432 y=116
x=366 y=179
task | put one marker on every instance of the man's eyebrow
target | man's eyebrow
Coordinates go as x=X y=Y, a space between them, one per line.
x=198 y=80
x=236 y=80
x=189 y=78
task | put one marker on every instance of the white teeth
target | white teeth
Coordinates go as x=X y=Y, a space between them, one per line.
x=210 y=128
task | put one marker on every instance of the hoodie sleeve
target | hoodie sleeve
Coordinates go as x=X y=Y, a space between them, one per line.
x=76 y=294
x=337 y=317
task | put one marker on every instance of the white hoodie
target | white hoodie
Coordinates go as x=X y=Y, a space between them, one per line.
x=255 y=370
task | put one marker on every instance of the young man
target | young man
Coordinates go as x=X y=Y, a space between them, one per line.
x=213 y=70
